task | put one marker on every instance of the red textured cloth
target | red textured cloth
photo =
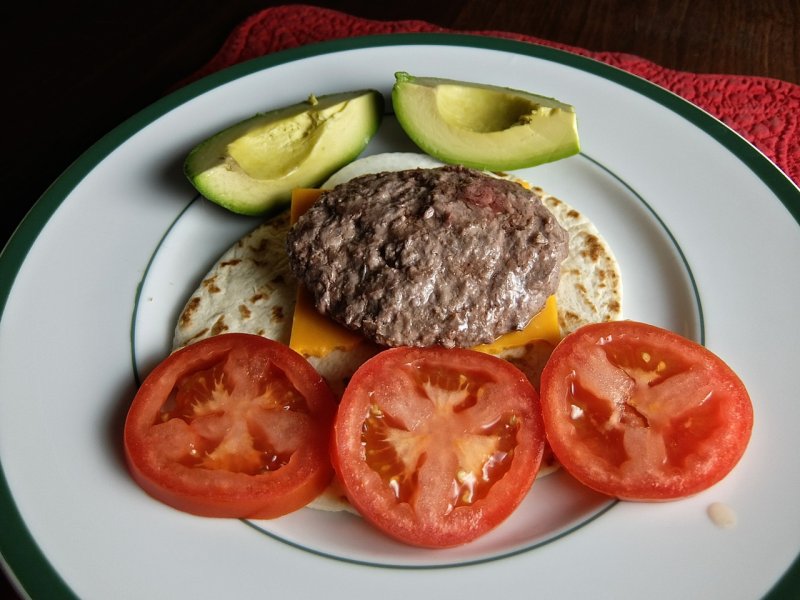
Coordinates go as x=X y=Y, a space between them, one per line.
x=763 y=110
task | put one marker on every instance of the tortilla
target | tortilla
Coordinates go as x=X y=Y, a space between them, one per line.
x=590 y=286
x=251 y=289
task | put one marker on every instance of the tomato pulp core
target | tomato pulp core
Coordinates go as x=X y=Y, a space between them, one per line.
x=454 y=447
x=247 y=418
x=641 y=410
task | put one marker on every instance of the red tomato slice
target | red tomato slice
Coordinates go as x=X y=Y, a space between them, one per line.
x=232 y=426
x=436 y=447
x=641 y=413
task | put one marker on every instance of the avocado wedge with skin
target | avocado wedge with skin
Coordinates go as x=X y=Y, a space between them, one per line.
x=251 y=167
x=483 y=126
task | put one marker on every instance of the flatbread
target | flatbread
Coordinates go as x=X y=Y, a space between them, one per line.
x=590 y=285
x=251 y=289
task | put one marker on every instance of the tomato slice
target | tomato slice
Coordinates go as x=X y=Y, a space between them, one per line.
x=641 y=413
x=232 y=426
x=436 y=447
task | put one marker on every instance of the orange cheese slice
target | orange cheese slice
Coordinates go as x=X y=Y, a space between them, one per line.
x=315 y=335
x=302 y=199
x=543 y=326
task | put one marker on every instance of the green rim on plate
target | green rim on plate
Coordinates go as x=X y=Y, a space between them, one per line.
x=21 y=555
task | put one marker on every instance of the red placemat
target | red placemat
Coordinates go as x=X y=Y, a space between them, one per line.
x=763 y=110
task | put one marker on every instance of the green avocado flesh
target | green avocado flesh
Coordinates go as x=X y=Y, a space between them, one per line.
x=252 y=167
x=483 y=126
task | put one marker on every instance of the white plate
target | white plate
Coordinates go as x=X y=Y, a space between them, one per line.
x=706 y=232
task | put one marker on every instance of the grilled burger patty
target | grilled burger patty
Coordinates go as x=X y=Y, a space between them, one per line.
x=447 y=256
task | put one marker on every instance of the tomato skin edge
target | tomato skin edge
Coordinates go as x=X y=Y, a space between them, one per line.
x=263 y=496
x=733 y=436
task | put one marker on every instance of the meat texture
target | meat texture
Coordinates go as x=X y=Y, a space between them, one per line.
x=448 y=256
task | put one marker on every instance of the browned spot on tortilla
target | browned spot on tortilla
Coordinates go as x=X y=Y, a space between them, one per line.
x=568 y=319
x=262 y=245
x=211 y=285
x=219 y=326
x=256 y=297
x=602 y=275
x=230 y=263
x=199 y=335
x=244 y=312
x=188 y=312
x=277 y=314
x=614 y=306
x=573 y=214
x=586 y=298
x=593 y=249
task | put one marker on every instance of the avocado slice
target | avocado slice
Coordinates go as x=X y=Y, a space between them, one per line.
x=483 y=126
x=252 y=167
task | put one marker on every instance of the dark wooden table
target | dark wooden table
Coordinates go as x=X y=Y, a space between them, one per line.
x=73 y=71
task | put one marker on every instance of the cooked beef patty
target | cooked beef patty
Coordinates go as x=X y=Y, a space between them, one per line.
x=447 y=256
